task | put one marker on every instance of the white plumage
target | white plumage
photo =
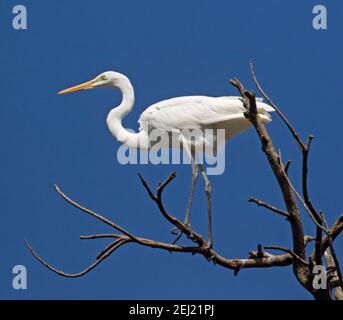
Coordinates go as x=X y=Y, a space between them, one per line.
x=181 y=113
x=199 y=112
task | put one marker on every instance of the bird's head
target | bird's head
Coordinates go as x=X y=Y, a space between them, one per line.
x=104 y=80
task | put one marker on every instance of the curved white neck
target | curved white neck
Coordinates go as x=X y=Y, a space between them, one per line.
x=116 y=115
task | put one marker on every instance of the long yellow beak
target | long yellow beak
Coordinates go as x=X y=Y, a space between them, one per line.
x=81 y=86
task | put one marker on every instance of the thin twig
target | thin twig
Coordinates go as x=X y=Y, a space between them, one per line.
x=305 y=176
x=304 y=204
x=294 y=255
x=94 y=214
x=105 y=255
x=286 y=168
x=307 y=200
x=117 y=244
x=100 y=236
x=335 y=231
x=146 y=186
x=318 y=247
x=162 y=185
x=270 y=207
x=277 y=110
x=176 y=222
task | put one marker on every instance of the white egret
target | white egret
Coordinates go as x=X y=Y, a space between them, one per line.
x=181 y=113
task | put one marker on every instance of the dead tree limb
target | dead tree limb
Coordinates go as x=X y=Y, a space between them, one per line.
x=249 y=102
x=209 y=254
x=270 y=207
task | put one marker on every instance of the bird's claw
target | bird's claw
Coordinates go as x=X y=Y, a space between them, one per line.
x=175 y=231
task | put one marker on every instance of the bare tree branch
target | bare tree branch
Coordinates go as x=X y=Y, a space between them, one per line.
x=268 y=206
x=209 y=254
x=94 y=214
x=333 y=253
x=294 y=255
x=289 y=162
x=284 y=119
x=335 y=231
x=110 y=249
x=307 y=209
x=277 y=167
x=305 y=148
x=174 y=221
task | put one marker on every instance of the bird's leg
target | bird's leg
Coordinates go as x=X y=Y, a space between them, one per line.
x=208 y=191
x=195 y=174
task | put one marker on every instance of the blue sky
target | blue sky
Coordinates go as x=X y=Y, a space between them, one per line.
x=167 y=49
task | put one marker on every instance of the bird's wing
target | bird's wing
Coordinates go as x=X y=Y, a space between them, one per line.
x=194 y=112
x=185 y=112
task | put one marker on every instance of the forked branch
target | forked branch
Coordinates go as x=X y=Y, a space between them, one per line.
x=236 y=264
x=302 y=270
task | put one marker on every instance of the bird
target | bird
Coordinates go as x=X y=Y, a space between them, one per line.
x=172 y=116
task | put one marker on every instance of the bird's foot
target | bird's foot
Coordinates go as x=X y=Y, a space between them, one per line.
x=177 y=232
